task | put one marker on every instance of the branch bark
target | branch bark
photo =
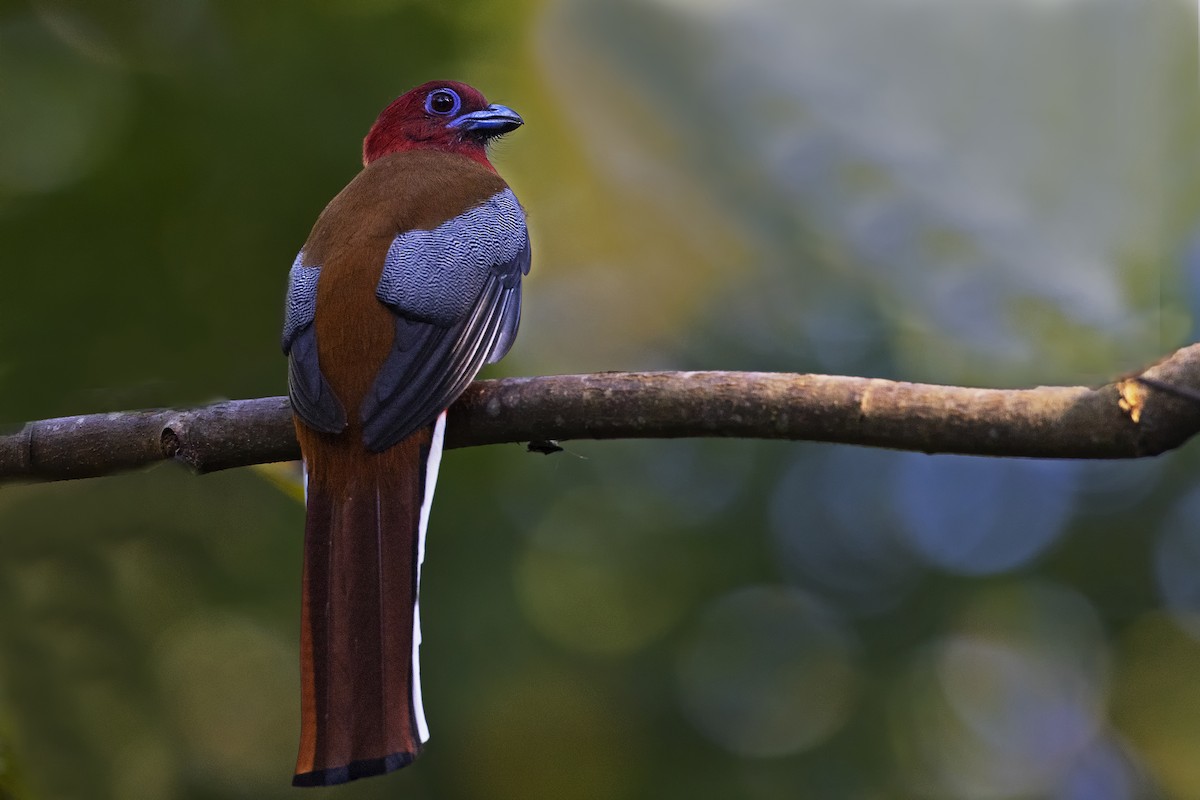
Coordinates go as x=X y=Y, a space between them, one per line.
x=1128 y=418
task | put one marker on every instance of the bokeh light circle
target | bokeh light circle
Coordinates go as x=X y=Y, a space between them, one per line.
x=977 y=516
x=768 y=671
x=830 y=539
x=1009 y=701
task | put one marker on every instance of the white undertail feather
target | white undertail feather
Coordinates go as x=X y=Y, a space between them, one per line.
x=431 y=474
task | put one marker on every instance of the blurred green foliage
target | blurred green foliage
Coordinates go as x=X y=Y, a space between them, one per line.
x=1000 y=193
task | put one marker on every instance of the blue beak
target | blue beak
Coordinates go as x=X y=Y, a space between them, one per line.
x=491 y=121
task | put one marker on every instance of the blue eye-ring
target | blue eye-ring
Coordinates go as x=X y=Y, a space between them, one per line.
x=443 y=102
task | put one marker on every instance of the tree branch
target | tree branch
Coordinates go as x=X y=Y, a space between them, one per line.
x=1125 y=419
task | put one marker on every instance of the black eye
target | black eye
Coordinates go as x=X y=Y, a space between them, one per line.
x=442 y=101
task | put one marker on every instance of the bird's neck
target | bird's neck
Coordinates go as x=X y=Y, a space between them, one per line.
x=374 y=150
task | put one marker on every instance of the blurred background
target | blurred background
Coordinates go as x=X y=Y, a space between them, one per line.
x=993 y=192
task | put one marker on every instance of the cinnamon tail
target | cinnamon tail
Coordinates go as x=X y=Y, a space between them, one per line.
x=361 y=709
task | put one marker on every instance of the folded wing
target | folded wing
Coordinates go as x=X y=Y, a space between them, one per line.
x=456 y=294
x=312 y=397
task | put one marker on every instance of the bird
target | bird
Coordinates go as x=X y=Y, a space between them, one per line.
x=409 y=282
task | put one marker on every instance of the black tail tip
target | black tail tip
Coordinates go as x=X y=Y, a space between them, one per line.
x=364 y=768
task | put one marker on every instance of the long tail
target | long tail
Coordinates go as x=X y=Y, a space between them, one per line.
x=364 y=541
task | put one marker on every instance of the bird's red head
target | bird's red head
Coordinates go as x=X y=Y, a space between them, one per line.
x=439 y=115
